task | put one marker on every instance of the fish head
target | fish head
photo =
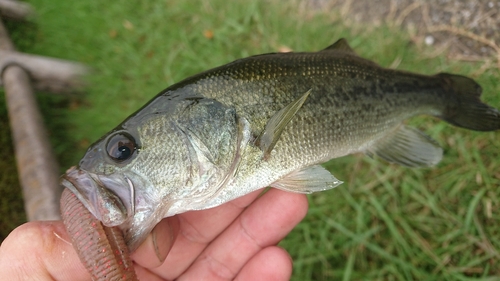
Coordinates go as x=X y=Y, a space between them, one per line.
x=162 y=161
x=118 y=184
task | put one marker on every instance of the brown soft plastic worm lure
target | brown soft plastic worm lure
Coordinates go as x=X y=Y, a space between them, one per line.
x=101 y=249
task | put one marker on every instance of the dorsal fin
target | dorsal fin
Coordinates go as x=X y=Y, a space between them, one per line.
x=275 y=126
x=340 y=45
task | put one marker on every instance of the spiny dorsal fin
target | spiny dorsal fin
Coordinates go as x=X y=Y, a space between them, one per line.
x=275 y=126
x=408 y=147
x=307 y=180
x=340 y=45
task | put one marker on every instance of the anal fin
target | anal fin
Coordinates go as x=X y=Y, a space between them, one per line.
x=307 y=180
x=408 y=147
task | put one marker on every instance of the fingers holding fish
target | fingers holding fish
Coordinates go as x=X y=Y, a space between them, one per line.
x=146 y=274
x=203 y=227
x=272 y=263
x=197 y=230
x=263 y=224
x=157 y=244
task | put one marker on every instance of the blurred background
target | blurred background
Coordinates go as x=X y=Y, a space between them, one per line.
x=385 y=222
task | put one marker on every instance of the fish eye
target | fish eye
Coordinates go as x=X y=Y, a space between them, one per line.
x=121 y=146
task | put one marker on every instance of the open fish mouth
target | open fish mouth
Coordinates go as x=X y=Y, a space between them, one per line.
x=110 y=198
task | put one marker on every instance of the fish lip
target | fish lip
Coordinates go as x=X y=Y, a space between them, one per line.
x=72 y=180
x=110 y=198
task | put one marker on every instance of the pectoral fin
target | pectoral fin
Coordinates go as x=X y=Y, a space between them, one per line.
x=275 y=126
x=308 y=180
x=408 y=147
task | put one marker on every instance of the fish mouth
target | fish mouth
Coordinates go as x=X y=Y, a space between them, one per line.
x=110 y=198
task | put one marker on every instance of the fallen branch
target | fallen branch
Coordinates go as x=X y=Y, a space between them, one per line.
x=48 y=74
x=38 y=169
x=36 y=164
x=15 y=10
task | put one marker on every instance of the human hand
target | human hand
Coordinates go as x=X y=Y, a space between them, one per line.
x=233 y=241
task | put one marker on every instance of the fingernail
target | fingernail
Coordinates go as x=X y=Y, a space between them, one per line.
x=163 y=239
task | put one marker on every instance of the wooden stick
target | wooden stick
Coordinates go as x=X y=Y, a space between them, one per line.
x=37 y=166
x=5 y=42
x=48 y=74
x=15 y=10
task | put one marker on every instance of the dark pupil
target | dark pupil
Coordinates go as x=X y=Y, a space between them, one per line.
x=123 y=152
x=120 y=147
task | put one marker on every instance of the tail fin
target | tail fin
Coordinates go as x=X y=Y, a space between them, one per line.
x=469 y=112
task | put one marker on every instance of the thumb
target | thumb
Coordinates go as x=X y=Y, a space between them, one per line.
x=154 y=250
x=41 y=251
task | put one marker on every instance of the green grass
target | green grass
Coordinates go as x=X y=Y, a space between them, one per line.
x=384 y=223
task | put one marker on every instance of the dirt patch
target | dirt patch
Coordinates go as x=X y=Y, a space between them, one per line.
x=465 y=29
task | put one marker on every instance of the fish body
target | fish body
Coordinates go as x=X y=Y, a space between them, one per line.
x=266 y=120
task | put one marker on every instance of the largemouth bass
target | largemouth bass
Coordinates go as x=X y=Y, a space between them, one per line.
x=265 y=120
